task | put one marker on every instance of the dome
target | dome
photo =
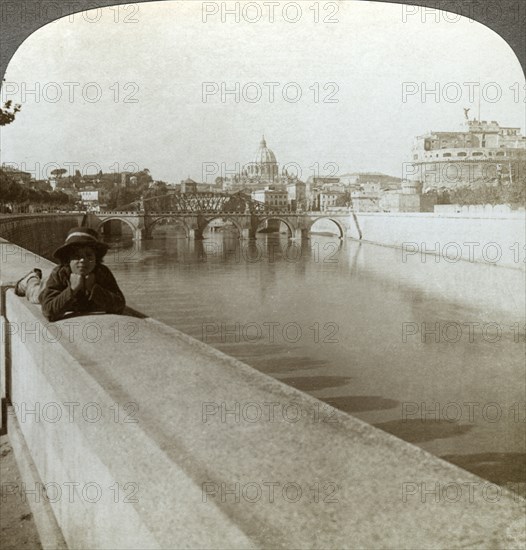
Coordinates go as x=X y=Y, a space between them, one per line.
x=264 y=167
x=264 y=155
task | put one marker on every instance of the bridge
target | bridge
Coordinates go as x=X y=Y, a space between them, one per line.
x=195 y=211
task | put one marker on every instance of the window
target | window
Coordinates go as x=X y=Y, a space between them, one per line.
x=462 y=154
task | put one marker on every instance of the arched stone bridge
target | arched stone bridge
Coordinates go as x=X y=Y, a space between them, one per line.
x=195 y=211
x=298 y=224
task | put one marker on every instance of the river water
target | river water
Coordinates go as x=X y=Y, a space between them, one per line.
x=346 y=322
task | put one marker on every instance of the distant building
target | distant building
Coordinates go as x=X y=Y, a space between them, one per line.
x=275 y=198
x=89 y=196
x=483 y=151
x=337 y=187
x=208 y=188
x=90 y=199
x=328 y=199
x=356 y=179
x=372 y=188
x=384 y=180
x=296 y=195
x=349 y=179
x=188 y=186
x=410 y=199
x=261 y=172
x=264 y=167
x=364 y=201
x=317 y=181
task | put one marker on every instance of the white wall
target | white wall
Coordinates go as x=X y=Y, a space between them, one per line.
x=499 y=241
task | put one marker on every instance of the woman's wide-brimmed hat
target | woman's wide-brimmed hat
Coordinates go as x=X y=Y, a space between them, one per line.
x=81 y=236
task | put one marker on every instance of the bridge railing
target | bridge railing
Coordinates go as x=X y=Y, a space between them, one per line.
x=269 y=211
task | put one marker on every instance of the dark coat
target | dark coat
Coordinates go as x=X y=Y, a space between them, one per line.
x=57 y=298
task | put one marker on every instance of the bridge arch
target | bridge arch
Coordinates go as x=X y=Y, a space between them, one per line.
x=340 y=226
x=125 y=221
x=180 y=221
x=287 y=222
x=231 y=219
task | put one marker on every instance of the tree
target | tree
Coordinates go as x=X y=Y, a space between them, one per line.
x=143 y=178
x=58 y=172
x=9 y=189
x=515 y=193
x=161 y=188
x=8 y=112
x=77 y=177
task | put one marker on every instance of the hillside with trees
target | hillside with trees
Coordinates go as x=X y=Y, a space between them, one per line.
x=15 y=197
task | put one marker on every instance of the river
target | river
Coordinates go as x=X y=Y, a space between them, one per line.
x=346 y=322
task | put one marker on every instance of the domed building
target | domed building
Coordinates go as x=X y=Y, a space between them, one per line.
x=261 y=173
x=264 y=167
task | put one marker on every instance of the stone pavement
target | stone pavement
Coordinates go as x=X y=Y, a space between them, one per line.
x=17 y=527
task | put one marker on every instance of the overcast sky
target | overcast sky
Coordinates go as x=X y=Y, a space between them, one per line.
x=162 y=60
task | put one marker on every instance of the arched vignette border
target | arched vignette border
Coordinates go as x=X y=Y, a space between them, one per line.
x=501 y=18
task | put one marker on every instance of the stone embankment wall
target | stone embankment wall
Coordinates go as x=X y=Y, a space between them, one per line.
x=147 y=438
x=39 y=233
x=495 y=240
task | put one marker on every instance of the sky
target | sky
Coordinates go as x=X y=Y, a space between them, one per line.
x=140 y=86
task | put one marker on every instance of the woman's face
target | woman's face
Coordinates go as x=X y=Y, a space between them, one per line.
x=82 y=260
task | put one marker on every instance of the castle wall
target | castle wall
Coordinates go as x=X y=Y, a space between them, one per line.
x=452 y=173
